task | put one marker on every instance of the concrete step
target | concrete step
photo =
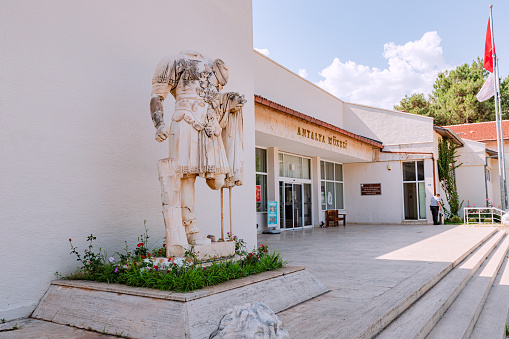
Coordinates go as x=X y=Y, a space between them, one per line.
x=441 y=253
x=420 y=318
x=460 y=318
x=494 y=315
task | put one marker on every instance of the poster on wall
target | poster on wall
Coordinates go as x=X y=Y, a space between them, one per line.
x=272 y=213
x=258 y=193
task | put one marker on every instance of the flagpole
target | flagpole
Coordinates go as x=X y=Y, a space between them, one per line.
x=501 y=127
x=498 y=121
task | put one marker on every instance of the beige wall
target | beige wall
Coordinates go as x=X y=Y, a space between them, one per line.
x=77 y=147
x=295 y=135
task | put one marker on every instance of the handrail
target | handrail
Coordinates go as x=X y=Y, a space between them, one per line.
x=480 y=214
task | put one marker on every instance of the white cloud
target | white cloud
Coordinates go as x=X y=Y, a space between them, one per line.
x=412 y=68
x=303 y=73
x=264 y=51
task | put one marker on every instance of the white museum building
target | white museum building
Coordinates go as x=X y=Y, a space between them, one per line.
x=78 y=155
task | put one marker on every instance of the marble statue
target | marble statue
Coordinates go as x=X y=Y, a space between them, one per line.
x=250 y=321
x=205 y=138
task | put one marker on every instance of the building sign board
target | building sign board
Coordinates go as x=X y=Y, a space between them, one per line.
x=258 y=193
x=371 y=189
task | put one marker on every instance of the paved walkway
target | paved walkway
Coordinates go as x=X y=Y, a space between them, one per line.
x=359 y=264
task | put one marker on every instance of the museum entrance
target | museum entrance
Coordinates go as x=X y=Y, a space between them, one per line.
x=295 y=202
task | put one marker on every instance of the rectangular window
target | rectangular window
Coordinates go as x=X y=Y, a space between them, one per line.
x=261 y=160
x=409 y=171
x=281 y=167
x=292 y=166
x=414 y=190
x=261 y=179
x=331 y=185
x=306 y=168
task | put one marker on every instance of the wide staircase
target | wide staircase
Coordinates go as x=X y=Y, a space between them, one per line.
x=471 y=300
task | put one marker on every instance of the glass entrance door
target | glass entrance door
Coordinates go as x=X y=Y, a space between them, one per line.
x=297 y=205
x=288 y=203
x=295 y=202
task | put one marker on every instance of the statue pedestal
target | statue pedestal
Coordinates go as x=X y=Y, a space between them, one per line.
x=139 y=312
x=215 y=250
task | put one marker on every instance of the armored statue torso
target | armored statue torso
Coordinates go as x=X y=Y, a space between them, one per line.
x=195 y=134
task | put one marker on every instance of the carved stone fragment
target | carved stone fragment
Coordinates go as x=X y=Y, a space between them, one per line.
x=250 y=321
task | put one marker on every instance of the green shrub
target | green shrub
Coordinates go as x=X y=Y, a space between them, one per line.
x=472 y=220
x=455 y=219
x=488 y=220
x=135 y=268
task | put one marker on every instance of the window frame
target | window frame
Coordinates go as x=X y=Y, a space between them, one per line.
x=333 y=182
x=263 y=192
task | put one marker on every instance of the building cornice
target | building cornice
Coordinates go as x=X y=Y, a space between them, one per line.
x=283 y=109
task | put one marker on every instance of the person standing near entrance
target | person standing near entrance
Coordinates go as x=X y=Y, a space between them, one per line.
x=435 y=206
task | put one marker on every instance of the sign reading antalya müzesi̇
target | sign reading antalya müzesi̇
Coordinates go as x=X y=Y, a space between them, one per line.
x=331 y=140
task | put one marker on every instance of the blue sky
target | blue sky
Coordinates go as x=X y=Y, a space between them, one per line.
x=375 y=52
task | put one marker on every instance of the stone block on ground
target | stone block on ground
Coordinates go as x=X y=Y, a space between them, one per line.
x=250 y=321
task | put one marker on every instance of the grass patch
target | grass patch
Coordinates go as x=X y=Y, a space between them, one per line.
x=136 y=268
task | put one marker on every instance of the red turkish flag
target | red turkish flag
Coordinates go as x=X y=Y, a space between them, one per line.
x=488 y=48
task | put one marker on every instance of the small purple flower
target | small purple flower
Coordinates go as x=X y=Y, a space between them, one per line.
x=116 y=269
x=111 y=259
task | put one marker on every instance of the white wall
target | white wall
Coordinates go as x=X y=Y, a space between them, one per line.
x=390 y=127
x=494 y=183
x=387 y=208
x=278 y=84
x=77 y=148
x=470 y=175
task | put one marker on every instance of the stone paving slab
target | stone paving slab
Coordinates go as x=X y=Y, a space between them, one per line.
x=38 y=329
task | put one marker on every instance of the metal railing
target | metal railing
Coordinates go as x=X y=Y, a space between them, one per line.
x=482 y=215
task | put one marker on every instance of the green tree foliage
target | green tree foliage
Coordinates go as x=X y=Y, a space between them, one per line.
x=454 y=101
x=446 y=167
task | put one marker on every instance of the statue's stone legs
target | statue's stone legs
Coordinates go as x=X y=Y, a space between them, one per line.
x=187 y=204
x=171 y=201
x=187 y=196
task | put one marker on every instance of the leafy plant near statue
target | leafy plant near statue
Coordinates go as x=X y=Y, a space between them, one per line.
x=446 y=167
x=138 y=267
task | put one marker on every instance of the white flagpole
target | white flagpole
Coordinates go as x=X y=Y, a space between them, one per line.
x=501 y=127
x=498 y=121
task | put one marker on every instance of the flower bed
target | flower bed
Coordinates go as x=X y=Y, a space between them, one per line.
x=138 y=268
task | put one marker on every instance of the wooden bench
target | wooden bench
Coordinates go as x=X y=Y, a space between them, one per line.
x=334 y=216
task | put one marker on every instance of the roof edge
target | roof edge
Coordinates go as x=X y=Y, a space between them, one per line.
x=449 y=134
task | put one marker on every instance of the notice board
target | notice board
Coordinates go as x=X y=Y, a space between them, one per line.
x=371 y=189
